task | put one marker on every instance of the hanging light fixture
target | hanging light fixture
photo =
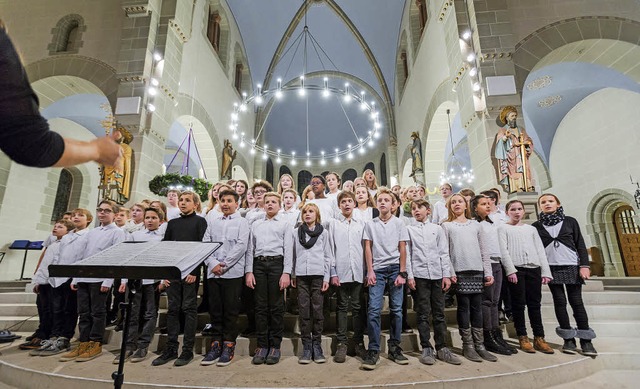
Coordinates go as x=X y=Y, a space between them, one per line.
x=304 y=84
x=457 y=173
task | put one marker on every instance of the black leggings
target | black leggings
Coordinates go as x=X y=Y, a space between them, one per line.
x=574 y=295
x=527 y=293
x=469 y=310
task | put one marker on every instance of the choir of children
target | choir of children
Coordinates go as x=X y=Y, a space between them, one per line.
x=360 y=246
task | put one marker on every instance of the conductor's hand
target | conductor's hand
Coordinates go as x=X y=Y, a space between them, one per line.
x=285 y=280
x=122 y=288
x=325 y=286
x=190 y=279
x=104 y=289
x=250 y=280
x=108 y=151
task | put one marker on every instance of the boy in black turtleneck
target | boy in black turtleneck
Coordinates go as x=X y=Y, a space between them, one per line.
x=182 y=294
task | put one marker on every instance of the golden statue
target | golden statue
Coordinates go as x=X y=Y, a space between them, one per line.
x=228 y=155
x=118 y=177
x=416 y=154
x=513 y=149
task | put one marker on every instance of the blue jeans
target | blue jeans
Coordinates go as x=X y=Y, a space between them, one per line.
x=385 y=277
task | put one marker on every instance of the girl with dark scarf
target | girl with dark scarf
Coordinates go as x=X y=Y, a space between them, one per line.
x=569 y=263
x=311 y=269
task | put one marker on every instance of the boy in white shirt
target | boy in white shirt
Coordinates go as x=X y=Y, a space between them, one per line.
x=347 y=273
x=289 y=209
x=172 y=199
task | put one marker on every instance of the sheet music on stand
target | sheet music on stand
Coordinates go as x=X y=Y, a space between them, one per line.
x=136 y=260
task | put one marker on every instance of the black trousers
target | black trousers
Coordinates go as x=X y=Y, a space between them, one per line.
x=310 y=303
x=527 y=293
x=92 y=311
x=140 y=338
x=504 y=304
x=574 y=295
x=269 y=299
x=114 y=298
x=224 y=307
x=351 y=293
x=469 y=312
x=44 y=303
x=491 y=297
x=182 y=297
x=248 y=306
x=65 y=311
x=430 y=301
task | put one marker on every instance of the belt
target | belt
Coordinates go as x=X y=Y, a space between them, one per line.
x=495 y=258
x=269 y=258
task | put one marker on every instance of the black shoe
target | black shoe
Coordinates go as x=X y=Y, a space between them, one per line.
x=587 y=348
x=370 y=361
x=407 y=330
x=184 y=359
x=119 y=327
x=318 y=354
x=273 y=357
x=497 y=335
x=569 y=346
x=168 y=355
x=492 y=345
x=260 y=356
x=361 y=351
x=395 y=354
x=207 y=330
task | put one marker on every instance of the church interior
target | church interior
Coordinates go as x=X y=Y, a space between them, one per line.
x=421 y=92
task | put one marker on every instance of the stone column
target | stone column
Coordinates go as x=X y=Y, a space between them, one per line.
x=392 y=159
x=609 y=268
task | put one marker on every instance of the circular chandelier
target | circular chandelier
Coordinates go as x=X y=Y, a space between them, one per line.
x=457 y=173
x=303 y=85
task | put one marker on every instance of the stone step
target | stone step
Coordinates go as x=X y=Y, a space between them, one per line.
x=602 y=298
x=11 y=289
x=16 y=283
x=603 y=328
x=26 y=309
x=17 y=298
x=19 y=323
x=604 y=379
x=622 y=288
x=600 y=312
x=609 y=281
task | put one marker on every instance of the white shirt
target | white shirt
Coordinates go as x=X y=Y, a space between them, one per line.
x=213 y=214
x=71 y=251
x=270 y=238
x=255 y=214
x=293 y=214
x=172 y=213
x=345 y=238
x=327 y=208
x=97 y=240
x=130 y=226
x=489 y=242
x=385 y=238
x=315 y=261
x=560 y=255
x=233 y=232
x=521 y=246
x=363 y=215
x=42 y=274
x=440 y=212
x=428 y=252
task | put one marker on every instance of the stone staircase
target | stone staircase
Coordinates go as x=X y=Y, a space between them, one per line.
x=613 y=313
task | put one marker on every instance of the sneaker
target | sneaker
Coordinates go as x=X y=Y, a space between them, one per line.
x=169 y=354
x=33 y=344
x=127 y=357
x=445 y=355
x=586 y=348
x=273 y=357
x=45 y=344
x=395 y=354
x=94 y=349
x=427 y=356
x=184 y=358
x=341 y=353
x=58 y=346
x=306 y=357
x=569 y=346
x=318 y=354
x=361 y=351
x=212 y=356
x=370 y=361
x=73 y=354
x=228 y=351
x=260 y=356
x=139 y=355
x=207 y=330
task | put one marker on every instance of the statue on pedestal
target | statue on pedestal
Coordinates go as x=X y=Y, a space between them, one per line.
x=513 y=149
x=228 y=155
x=116 y=180
x=416 y=155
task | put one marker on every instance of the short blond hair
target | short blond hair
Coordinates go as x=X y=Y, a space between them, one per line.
x=272 y=194
x=315 y=208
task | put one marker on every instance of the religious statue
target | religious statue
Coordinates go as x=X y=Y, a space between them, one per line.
x=117 y=178
x=228 y=155
x=416 y=155
x=513 y=149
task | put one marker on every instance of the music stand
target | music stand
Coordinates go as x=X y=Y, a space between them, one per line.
x=106 y=264
x=25 y=245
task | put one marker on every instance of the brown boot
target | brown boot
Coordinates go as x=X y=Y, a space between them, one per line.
x=542 y=346
x=93 y=350
x=525 y=344
x=74 y=353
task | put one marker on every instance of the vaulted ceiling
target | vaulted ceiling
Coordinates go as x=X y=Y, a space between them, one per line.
x=358 y=38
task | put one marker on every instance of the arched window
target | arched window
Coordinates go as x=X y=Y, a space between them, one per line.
x=217 y=32
x=67 y=35
x=417 y=22
x=213 y=30
x=304 y=179
x=63 y=194
x=269 y=175
x=369 y=166
x=349 y=175
x=284 y=169
x=383 y=170
x=241 y=77
x=402 y=64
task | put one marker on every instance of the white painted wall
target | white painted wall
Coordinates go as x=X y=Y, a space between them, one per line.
x=595 y=148
x=21 y=216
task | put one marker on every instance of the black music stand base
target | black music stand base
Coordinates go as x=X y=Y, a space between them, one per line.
x=118 y=376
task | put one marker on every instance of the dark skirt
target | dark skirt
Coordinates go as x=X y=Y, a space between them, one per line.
x=566 y=275
x=470 y=282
